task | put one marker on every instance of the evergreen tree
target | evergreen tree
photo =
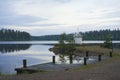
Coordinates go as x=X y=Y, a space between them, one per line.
x=62 y=45
x=71 y=45
x=108 y=42
x=66 y=48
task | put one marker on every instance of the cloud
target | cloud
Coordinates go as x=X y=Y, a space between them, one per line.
x=6 y=8
x=41 y=25
x=19 y=19
x=55 y=16
x=8 y=15
x=63 y=1
x=68 y=12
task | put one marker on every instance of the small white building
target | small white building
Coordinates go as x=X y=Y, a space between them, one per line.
x=78 y=38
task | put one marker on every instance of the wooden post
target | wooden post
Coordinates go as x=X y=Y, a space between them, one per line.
x=110 y=54
x=85 y=61
x=87 y=54
x=99 y=57
x=53 y=59
x=24 y=63
x=71 y=59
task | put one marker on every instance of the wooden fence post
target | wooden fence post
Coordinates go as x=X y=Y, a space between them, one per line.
x=71 y=59
x=53 y=59
x=99 y=57
x=87 y=55
x=24 y=63
x=110 y=54
x=85 y=61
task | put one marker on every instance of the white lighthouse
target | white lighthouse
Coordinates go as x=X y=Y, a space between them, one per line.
x=78 y=38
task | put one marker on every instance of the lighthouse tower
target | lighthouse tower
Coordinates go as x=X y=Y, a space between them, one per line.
x=78 y=38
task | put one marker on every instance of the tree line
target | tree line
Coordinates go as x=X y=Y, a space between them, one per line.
x=90 y=35
x=50 y=37
x=14 y=35
x=102 y=34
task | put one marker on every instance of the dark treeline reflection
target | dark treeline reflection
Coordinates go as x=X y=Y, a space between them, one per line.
x=7 y=48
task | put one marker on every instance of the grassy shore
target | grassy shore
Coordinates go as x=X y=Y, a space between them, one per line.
x=90 y=48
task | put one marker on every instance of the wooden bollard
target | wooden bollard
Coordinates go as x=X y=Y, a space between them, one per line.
x=53 y=59
x=110 y=54
x=85 y=61
x=71 y=59
x=99 y=57
x=87 y=55
x=24 y=63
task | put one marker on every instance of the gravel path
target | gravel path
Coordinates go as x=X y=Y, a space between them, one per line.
x=108 y=71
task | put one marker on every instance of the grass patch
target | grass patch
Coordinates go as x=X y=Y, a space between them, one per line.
x=93 y=49
x=116 y=52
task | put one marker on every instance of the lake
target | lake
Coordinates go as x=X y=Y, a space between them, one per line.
x=11 y=57
x=12 y=53
x=47 y=42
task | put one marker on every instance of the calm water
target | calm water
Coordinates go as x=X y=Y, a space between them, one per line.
x=12 y=54
x=46 y=42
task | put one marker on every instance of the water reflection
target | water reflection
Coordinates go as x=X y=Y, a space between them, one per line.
x=62 y=58
x=7 y=48
x=75 y=59
x=68 y=58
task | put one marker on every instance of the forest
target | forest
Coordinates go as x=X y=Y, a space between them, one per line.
x=14 y=35
x=102 y=34
x=90 y=35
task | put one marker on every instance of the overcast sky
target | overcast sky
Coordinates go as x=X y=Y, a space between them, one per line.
x=45 y=17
